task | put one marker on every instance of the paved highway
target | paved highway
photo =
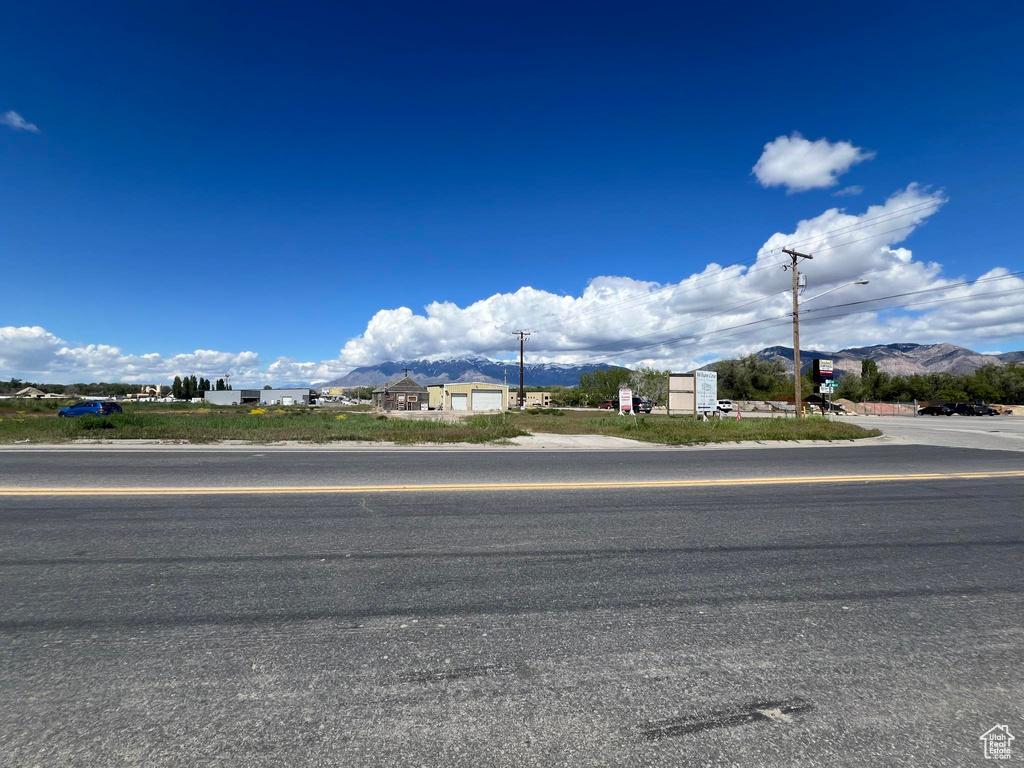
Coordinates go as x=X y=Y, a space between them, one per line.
x=187 y=466
x=841 y=624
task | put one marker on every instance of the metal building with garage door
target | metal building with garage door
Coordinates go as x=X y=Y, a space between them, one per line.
x=468 y=396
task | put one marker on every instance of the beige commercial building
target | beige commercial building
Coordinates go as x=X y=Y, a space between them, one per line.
x=468 y=396
x=533 y=399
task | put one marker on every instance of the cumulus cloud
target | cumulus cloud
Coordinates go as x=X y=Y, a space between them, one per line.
x=720 y=311
x=628 y=321
x=851 y=191
x=16 y=122
x=32 y=352
x=799 y=164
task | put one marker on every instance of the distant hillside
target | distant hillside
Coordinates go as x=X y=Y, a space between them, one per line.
x=464 y=369
x=898 y=359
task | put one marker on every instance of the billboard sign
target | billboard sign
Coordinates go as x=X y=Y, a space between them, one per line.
x=823 y=373
x=625 y=400
x=706 y=386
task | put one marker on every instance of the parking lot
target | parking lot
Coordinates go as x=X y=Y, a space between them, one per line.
x=1000 y=433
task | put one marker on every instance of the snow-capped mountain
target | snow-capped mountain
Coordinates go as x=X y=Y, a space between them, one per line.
x=901 y=359
x=465 y=369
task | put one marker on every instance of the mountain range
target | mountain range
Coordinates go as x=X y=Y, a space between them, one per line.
x=455 y=369
x=901 y=359
x=897 y=359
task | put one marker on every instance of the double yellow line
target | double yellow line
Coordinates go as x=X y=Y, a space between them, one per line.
x=462 y=487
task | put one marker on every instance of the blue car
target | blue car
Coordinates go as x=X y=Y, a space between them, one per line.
x=94 y=407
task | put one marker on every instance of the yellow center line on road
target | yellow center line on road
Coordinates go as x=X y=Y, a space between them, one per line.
x=459 y=487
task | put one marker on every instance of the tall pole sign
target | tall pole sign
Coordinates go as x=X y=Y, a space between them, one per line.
x=823 y=375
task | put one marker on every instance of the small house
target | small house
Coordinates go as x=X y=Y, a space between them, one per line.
x=402 y=395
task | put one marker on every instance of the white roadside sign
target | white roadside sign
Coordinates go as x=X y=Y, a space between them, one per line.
x=706 y=386
x=625 y=400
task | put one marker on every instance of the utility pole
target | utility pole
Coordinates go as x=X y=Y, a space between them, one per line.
x=795 y=256
x=523 y=336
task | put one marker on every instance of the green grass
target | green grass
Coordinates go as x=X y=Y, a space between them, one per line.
x=686 y=430
x=35 y=421
x=208 y=425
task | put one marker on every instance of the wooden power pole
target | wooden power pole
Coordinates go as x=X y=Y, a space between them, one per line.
x=798 y=400
x=523 y=335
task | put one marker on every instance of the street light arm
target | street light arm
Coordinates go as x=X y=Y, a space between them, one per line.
x=844 y=285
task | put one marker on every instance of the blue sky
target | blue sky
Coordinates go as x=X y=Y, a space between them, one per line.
x=249 y=177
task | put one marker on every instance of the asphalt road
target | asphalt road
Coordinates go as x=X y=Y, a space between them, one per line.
x=866 y=624
x=184 y=466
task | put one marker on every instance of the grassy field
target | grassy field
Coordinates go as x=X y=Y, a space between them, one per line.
x=36 y=422
x=201 y=424
x=685 y=430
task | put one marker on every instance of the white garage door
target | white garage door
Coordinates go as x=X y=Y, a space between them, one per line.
x=460 y=402
x=486 y=399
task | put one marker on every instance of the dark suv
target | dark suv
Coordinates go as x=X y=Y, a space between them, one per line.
x=642 y=406
x=962 y=409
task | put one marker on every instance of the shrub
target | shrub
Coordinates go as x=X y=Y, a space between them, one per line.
x=94 y=422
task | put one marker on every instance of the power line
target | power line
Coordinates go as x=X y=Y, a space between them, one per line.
x=788 y=315
x=786 y=319
x=719 y=277
x=821 y=237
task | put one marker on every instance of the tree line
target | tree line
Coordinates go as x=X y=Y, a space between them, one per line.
x=751 y=378
x=94 y=389
x=187 y=387
x=1002 y=384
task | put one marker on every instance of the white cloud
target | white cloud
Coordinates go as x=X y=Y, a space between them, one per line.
x=16 y=122
x=799 y=164
x=624 y=320
x=850 y=191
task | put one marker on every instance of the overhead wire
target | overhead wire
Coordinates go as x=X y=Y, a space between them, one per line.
x=704 y=337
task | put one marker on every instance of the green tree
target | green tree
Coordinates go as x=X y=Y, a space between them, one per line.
x=267 y=386
x=650 y=383
x=751 y=378
x=176 y=388
x=603 y=384
x=869 y=378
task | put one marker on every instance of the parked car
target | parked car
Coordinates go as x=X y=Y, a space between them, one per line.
x=935 y=410
x=639 y=405
x=642 y=406
x=94 y=407
x=726 y=406
x=985 y=410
